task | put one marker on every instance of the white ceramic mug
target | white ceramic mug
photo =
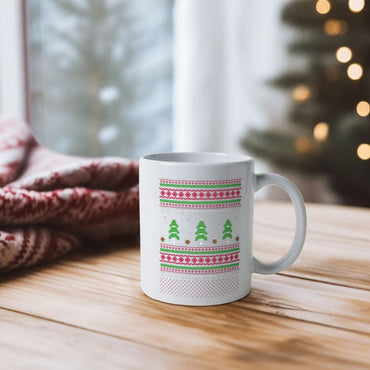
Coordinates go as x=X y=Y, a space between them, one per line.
x=196 y=218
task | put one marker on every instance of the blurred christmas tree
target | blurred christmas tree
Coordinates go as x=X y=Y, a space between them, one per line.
x=329 y=123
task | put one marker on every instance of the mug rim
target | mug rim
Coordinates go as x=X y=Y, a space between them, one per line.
x=196 y=158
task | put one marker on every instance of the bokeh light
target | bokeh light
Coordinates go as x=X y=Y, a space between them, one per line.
x=344 y=54
x=356 y=5
x=363 y=108
x=302 y=144
x=321 y=131
x=363 y=151
x=354 y=71
x=301 y=93
x=334 y=27
x=323 y=6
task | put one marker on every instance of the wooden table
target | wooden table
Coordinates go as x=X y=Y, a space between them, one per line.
x=86 y=311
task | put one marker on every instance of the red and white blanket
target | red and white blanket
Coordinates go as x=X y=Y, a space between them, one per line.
x=52 y=203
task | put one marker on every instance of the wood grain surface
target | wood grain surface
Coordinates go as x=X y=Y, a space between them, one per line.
x=86 y=311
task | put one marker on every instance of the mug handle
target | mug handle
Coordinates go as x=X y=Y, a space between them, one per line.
x=301 y=223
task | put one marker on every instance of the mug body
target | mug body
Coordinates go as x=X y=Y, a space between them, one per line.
x=196 y=213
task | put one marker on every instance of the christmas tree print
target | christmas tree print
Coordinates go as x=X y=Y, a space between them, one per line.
x=174 y=231
x=227 y=233
x=201 y=231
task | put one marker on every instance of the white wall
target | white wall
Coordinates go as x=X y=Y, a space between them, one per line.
x=225 y=51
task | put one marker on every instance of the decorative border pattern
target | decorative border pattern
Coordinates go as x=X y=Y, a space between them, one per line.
x=200 y=184
x=207 y=205
x=196 y=250
x=203 y=260
x=199 y=288
x=197 y=194
x=176 y=269
x=216 y=259
x=200 y=194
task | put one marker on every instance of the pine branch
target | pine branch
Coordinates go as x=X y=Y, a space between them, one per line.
x=349 y=175
x=302 y=15
x=315 y=43
x=279 y=148
x=290 y=79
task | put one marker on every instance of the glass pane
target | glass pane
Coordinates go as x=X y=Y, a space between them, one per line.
x=101 y=75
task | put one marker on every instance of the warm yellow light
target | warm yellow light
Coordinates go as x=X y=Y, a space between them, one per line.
x=301 y=93
x=335 y=27
x=356 y=5
x=363 y=151
x=354 y=71
x=323 y=6
x=302 y=144
x=321 y=131
x=344 y=54
x=363 y=108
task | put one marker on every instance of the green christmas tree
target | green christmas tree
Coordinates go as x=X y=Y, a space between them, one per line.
x=174 y=231
x=227 y=233
x=201 y=232
x=328 y=130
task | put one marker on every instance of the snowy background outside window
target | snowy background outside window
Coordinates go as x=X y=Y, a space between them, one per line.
x=100 y=75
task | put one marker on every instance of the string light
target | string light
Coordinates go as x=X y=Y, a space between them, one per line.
x=354 y=71
x=356 y=6
x=302 y=144
x=344 y=54
x=335 y=27
x=323 y=6
x=363 y=108
x=301 y=93
x=321 y=131
x=363 y=151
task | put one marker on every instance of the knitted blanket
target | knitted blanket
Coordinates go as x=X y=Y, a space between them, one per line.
x=52 y=203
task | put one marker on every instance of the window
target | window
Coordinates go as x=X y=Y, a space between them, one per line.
x=100 y=75
x=12 y=81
